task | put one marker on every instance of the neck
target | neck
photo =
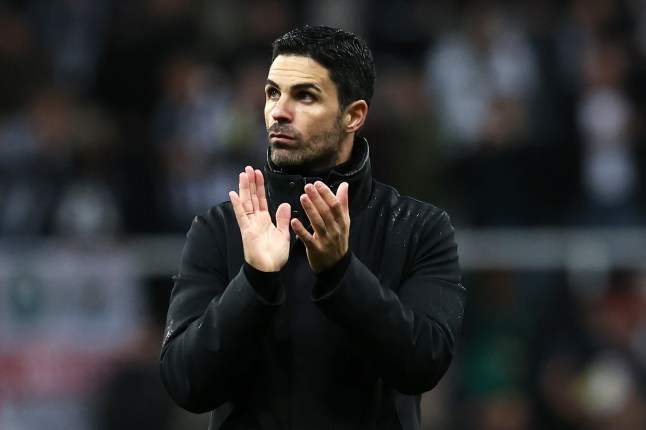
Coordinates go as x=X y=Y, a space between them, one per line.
x=344 y=167
x=318 y=172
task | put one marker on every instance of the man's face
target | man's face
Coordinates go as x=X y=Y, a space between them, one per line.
x=304 y=123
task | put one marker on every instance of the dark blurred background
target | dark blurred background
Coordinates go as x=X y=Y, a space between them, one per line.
x=526 y=120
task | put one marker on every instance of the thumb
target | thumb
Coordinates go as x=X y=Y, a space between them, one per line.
x=283 y=217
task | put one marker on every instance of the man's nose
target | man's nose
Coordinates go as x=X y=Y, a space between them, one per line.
x=282 y=110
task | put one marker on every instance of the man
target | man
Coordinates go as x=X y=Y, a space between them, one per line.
x=344 y=320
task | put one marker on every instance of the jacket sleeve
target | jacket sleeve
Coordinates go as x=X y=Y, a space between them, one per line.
x=409 y=334
x=214 y=326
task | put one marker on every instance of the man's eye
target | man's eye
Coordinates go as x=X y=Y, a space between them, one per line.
x=305 y=96
x=272 y=93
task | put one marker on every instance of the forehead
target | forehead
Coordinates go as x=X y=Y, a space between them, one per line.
x=293 y=69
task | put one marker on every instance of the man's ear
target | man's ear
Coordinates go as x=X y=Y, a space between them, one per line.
x=355 y=115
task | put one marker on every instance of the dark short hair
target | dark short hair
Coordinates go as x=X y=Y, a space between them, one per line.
x=346 y=57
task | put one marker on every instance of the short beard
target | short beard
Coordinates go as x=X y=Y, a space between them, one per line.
x=318 y=153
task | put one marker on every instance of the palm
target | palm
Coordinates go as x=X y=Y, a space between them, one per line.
x=266 y=246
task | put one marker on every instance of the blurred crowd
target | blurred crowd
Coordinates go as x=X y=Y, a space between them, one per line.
x=127 y=117
x=122 y=118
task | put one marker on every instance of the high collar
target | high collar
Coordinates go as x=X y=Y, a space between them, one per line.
x=287 y=188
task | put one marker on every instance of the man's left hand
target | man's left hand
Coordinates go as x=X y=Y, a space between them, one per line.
x=330 y=218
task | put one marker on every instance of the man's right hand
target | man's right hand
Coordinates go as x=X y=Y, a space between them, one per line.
x=266 y=246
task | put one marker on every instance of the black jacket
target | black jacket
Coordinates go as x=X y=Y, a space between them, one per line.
x=351 y=350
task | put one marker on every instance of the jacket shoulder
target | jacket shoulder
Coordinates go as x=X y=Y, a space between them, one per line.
x=411 y=223
x=389 y=196
x=217 y=213
x=211 y=239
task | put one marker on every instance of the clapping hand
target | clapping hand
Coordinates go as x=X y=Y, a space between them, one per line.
x=266 y=246
x=330 y=218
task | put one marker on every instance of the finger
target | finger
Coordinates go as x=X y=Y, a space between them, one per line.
x=320 y=205
x=342 y=194
x=260 y=189
x=317 y=221
x=238 y=209
x=253 y=189
x=330 y=199
x=305 y=236
x=283 y=216
x=245 y=194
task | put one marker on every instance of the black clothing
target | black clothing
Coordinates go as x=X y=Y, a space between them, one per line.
x=351 y=348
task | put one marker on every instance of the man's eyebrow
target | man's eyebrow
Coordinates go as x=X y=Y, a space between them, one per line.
x=296 y=87
x=306 y=86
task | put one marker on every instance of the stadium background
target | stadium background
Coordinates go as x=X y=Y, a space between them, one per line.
x=120 y=120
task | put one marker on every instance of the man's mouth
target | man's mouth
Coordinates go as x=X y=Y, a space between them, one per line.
x=280 y=137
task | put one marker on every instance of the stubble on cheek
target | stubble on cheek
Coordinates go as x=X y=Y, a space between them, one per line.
x=318 y=152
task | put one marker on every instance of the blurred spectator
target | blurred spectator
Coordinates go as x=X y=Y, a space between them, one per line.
x=36 y=163
x=204 y=126
x=482 y=74
x=56 y=169
x=484 y=57
x=90 y=206
x=72 y=34
x=608 y=158
x=403 y=114
x=495 y=182
x=595 y=44
x=141 y=36
x=591 y=371
x=189 y=131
